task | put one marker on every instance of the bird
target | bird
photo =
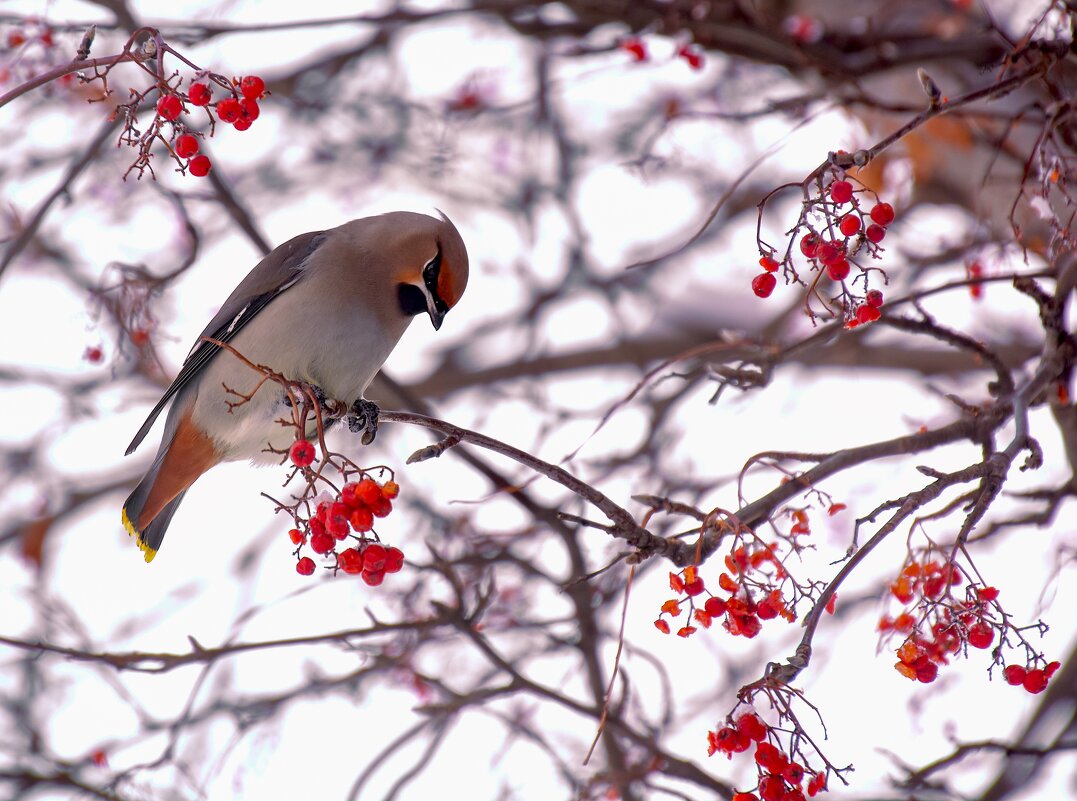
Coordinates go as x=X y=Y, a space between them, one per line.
x=325 y=308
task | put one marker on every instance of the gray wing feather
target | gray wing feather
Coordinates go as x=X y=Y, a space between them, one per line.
x=276 y=273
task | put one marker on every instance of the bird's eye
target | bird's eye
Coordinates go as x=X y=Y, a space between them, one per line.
x=432 y=268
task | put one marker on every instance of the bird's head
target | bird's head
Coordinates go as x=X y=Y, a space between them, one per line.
x=432 y=271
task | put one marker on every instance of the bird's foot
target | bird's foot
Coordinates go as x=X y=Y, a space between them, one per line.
x=363 y=418
x=329 y=409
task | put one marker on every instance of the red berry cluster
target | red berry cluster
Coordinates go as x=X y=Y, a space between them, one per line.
x=30 y=35
x=1033 y=679
x=975 y=271
x=780 y=777
x=764 y=283
x=239 y=108
x=30 y=47
x=333 y=522
x=937 y=625
x=691 y=54
x=847 y=230
x=751 y=600
x=932 y=637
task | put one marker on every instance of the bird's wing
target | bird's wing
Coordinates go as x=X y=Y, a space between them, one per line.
x=276 y=273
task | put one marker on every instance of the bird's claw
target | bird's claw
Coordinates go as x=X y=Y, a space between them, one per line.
x=363 y=418
x=330 y=409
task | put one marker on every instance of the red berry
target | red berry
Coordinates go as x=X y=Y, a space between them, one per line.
x=691 y=55
x=927 y=672
x=808 y=245
x=361 y=520
x=793 y=795
x=200 y=94
x=771 y=788
x=841 y=192
x=747 y=626
x=752 y=727
x=1051 y=668
x=242 y=124
x=714 y=607
x=317 y=526
x=336 y=520
x=768 y=757
x=883 y=214
x=186 y=146
x=302 y=452
x=15 y=38
x=374 y=557
x=368 y=492
x=987 y=593
x=827 y=253
x=347 y=495
x=1035 y=681
x=838 y=270
x=875 y=298
x=794 y=774
x=296 y=536
x=745 y=797
x=724 y=738
x=1014 y=674
x=350 y=561
x=322 y=542
x=373 y=578
x=763 y=284
x=635 y=47
x=93 y=354
x=304 y=566
x=767 y=610
x=252 y=87
x=169 y=107
x=868 y=314
x=229 y=110
x=850 y=224
x=739 y=742
x=662 y=626
x=769 y=264
x=394 y=560
x=875 y=233
x=200 y=166
x=694 y=587
x=981 y=636
x=381 y=507
x=250 y=108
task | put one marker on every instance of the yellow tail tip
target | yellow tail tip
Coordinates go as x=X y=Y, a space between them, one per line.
x=147 y=551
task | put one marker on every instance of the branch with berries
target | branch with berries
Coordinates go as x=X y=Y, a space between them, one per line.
x=170 y=125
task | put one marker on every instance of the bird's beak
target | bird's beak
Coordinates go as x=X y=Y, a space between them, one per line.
x=436 y=317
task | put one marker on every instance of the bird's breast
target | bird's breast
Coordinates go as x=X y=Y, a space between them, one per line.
x=327 y=339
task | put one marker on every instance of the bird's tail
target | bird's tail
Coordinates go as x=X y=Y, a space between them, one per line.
x=149 y=537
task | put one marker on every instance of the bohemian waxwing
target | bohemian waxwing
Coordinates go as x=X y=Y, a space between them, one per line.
x=325 y=308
